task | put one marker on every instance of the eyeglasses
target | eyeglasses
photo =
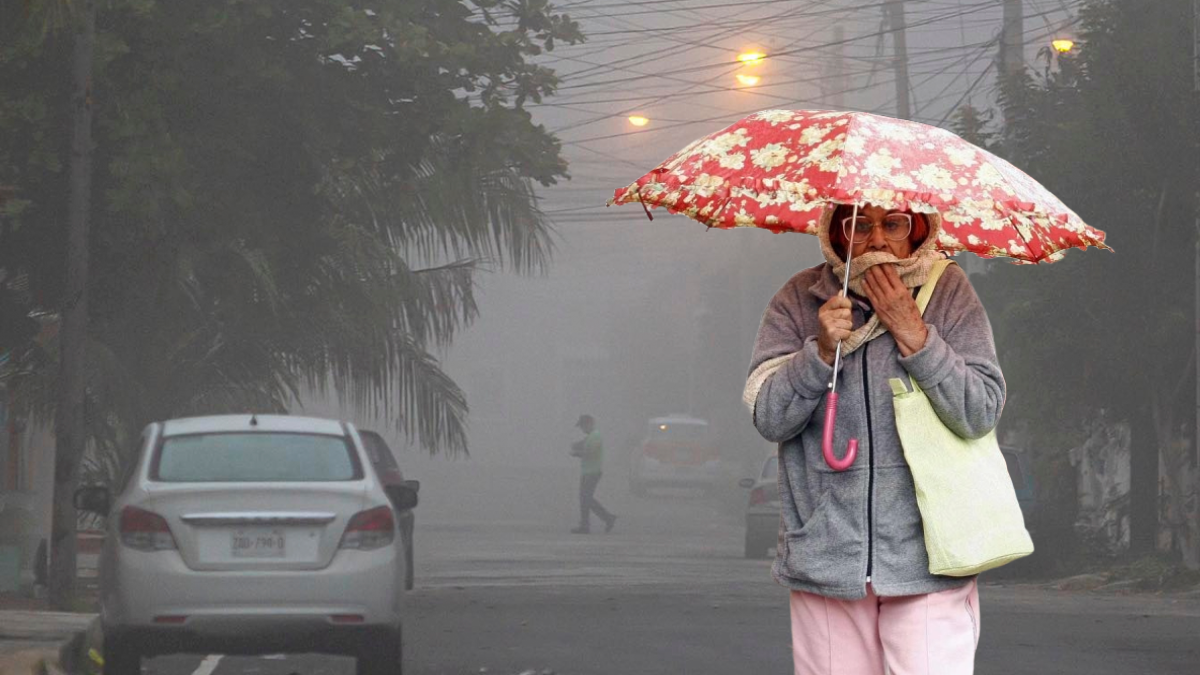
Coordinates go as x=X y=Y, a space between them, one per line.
x=896 y=226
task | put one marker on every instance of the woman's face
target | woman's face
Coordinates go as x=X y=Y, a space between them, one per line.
x=877 y=240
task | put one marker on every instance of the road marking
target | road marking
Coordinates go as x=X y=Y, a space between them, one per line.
x=208 y=665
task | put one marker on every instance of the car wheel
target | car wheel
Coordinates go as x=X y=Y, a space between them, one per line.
x=409 y=572
x=121 y=657
x=380 y=657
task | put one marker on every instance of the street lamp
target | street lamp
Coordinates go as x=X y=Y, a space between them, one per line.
x=751 y=58
x=748 y=80
x=1063 y=45
x=638 y=120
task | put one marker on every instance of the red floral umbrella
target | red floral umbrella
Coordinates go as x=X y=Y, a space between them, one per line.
x=777 y=169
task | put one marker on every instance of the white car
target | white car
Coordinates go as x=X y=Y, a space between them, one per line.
x=244 y=534
x=678 y=451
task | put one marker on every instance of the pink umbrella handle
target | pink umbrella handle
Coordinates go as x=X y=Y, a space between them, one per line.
x=834 y=463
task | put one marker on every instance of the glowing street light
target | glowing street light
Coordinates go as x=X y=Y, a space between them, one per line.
x=1063 y=45
x=751 y=58
x=638 y=120
x=748 y=80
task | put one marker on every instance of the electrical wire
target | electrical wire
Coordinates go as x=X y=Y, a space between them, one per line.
x=587 y=213
x=692 y=85
x=714 y=89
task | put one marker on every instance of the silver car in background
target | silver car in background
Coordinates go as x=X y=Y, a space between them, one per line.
x=247 y=534
x=762 y=509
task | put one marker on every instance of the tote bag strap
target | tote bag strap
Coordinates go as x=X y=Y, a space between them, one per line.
x=935 y=273
x=923 y=297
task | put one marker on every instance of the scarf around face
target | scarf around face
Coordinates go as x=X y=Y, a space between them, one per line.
x=913 y=270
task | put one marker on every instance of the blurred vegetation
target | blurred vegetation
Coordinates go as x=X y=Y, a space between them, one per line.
x=1111 y=129
x=288 y=195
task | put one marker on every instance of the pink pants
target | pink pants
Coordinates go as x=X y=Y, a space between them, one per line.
x=932 y=634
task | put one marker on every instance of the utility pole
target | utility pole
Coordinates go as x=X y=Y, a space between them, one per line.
x=1010 y=64
x=1191 y=544
x=71 y=423
x=838 y=68
x=897 y=26
x=1011 y=58
x=1012 y=38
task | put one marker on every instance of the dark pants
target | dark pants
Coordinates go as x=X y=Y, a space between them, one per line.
x=588 y=503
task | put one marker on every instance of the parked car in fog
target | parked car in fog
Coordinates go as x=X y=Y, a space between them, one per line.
x=1024 y=483
x=678 y=451
x=395 y=486
x=243 y=534
x=762 y=509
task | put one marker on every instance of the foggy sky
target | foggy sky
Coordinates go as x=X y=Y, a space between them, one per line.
x=542 y=350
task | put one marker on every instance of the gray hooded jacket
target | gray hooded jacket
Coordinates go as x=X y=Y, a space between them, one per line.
x=839 y=529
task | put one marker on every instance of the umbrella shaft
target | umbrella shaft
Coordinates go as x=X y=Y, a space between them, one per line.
x=849 y=251
x=837 y=361
x=837 y=357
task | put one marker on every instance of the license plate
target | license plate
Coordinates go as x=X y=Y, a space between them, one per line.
x=259 y=544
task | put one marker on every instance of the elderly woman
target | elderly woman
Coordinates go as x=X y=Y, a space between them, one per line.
x=851 y=546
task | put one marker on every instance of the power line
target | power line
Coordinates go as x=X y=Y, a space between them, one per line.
x=801 y=50
x=676 y=94
x=714 y=89
x=581 y=142
x=656 y=100
x=941 y=122
x=960 y=12
x=700 y=43
x=744 y=112
x=954 y=58
x=743 y=4
x=965 y=95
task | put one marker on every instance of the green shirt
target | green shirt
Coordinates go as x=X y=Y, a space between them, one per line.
x=592 y=455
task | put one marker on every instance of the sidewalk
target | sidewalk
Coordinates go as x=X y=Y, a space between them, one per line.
x=20 y=629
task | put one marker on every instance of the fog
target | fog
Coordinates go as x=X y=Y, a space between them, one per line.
x=635 y=319
x=262 y=239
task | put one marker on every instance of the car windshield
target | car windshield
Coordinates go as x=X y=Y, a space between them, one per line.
x=677 y=431
x=255 y=457
x=771 y=468
x=378 y=450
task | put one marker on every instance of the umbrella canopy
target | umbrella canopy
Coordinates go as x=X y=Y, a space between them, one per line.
x=777 y=169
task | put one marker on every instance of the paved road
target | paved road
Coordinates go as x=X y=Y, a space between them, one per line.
x=504 y=589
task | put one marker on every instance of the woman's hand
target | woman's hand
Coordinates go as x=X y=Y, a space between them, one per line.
x=836 y=324
x=897 y=309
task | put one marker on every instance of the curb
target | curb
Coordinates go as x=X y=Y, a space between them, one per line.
x=33 y=626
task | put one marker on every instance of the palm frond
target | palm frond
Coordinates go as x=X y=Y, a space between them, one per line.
x=440 y=208
x=390 y=376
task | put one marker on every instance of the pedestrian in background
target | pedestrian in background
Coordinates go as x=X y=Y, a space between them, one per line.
x=590 y=451
x=852 y=545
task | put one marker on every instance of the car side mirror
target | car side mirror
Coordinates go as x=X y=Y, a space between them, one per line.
x=414 y=485
x=94 y=499
x=402 y=497
x=746 y=483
